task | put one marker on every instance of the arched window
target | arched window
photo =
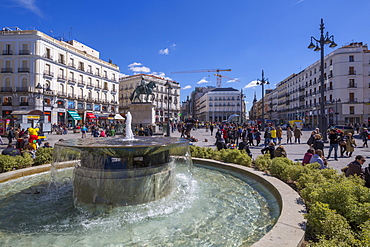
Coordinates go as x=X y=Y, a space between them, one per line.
x=7 y=82
x=24 y=82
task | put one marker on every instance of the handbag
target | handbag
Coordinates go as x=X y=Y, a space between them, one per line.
x=342 y=142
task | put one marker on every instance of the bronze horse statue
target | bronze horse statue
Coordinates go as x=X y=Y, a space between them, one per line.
x=146 y=89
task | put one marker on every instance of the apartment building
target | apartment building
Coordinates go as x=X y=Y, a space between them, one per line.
x=161 y=95
x=65 y=81
x=219 y=104
x=346 y=89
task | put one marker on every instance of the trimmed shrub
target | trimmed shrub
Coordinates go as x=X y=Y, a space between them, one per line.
x=327 y=224
x=25 y=160
x=43 y=156
x=7 y=163
x=263 y=162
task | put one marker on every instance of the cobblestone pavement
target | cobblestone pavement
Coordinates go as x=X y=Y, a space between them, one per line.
x=295 y=151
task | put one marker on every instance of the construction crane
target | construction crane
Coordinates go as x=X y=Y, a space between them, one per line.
x=219 y=79
x=220 y=76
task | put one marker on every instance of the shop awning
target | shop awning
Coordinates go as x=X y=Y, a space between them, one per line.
x=26 y=112
x=118 y=116
x=74 y=115
x=90 y=115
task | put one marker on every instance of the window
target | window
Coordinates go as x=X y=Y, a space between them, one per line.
x=7 y=101
x=89 y=69
x=351 y=58
x=351 y=83
x=48 y=53
x=81 y=66
x=351 y=71
x=72 y=62
x=351 y=97
x=351 y=110
x=331 y=62
x=61 y=59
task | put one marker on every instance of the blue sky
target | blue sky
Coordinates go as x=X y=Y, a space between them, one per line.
x=164 y=36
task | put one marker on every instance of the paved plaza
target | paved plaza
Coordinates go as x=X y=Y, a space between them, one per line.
x=295 y=151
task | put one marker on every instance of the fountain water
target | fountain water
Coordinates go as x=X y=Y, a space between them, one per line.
x=129 y=134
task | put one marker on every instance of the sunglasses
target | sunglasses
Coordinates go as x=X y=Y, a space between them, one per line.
x=363 y=160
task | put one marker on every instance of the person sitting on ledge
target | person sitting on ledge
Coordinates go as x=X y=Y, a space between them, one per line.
x=47 y=145
x=11 y=151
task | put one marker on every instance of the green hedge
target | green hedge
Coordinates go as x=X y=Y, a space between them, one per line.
x=338 y=207
x=9 y=163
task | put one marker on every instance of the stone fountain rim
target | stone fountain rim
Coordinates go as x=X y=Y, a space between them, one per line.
x=289 y=230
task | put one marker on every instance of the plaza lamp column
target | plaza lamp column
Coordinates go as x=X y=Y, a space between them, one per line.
x=168 y=85
x=336 y=110
x=262 y=82
x=42 y=91
x=320 y=43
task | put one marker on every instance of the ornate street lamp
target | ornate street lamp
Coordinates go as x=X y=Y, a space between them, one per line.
x=42 y=90
x=336 y=110
x=262 y=82
x=168 y=85
x=324 y=39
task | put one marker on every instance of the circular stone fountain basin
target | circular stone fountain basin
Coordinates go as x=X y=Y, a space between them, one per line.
x=210 y=207
x=116 y=171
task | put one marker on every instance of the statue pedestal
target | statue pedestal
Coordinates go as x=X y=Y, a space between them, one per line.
x=142 y=113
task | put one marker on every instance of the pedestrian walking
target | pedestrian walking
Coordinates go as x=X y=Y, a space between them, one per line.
x=289 y=135
x=350 y=144
x=333 y=143
x=279 y=134
x=297 y=135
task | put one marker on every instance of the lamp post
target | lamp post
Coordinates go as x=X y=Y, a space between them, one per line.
x=336 y=110
x=43 y=89
x=168 y=85
x=324 y=39
x=262 y=82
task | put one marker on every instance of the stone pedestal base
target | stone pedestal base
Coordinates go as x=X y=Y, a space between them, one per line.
x=142 y=113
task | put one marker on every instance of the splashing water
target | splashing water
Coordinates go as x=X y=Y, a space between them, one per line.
x=129 y=134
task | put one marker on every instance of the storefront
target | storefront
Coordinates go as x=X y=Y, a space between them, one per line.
x=73 y=117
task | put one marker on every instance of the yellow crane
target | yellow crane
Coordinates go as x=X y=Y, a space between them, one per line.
x=220 y=76
x=219 y=79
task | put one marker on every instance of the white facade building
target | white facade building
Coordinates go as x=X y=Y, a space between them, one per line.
x=128 y=85
x=219 y=104
x=70 y=77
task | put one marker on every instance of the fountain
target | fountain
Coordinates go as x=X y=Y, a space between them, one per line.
x=164 y=201
x=122 y=171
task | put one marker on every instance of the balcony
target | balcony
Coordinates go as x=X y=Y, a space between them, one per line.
x=61 y=106
x=6 y=70
x=62 y=94
x=62 y=78
x=72 y=65
x=7 y=52
x=97 y=74
x=48 y=74
x=72 y=95
x=6 y=89
x=90 y=85
x=352 y=85
x=81 y=68
x=23 y=70
x=48 y=56
x=21 y=89
x=81 y=83
x=352 y=100
x=89 y=72
x=7 y=104
x=61 y=61
x=352 y=72
x=72 y=81
x=24 y=52
x=23 y=104
x=90 y=99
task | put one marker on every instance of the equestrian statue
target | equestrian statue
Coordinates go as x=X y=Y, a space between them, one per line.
x=143 y=88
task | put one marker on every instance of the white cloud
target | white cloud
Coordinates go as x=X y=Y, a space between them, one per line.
x=164 y=51
x=233 y=80
x=251 y=84
x=138 y=68
x=161 y=74
x=203 y=81
x=186 y=87
x=30 y=5
x=135 y=64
